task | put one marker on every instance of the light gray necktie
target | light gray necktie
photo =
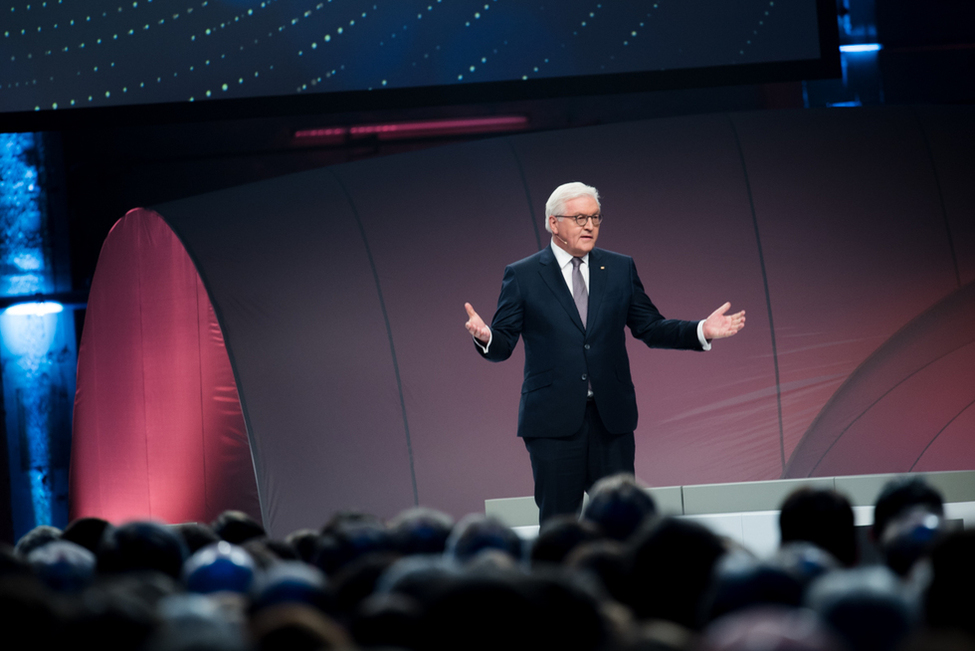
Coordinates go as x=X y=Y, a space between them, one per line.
x=579 y=292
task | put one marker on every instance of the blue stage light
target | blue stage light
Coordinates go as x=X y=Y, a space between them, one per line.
x=861 y=47
x=37 y=308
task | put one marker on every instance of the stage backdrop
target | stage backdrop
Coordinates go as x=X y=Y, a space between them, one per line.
x=847 y=235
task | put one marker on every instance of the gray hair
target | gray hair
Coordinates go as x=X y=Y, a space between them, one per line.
x=566 y=192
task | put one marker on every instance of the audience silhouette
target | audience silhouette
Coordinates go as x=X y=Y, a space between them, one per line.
x=621 y=577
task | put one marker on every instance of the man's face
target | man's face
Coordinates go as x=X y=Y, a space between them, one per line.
x=568 y=235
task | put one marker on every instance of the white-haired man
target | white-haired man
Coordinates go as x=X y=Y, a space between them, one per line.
x=570 y=302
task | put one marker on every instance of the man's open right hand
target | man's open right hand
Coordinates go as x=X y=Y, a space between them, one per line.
x=475 y=325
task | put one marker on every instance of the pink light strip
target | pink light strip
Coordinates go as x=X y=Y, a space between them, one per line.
x=419 y=128
x=331 y=132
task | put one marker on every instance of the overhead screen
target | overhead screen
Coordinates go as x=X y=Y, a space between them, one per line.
x=63 y=55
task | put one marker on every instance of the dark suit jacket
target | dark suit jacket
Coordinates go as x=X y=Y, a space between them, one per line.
x=562 y=357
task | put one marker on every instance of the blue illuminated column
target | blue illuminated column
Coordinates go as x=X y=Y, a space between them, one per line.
x=37 y=342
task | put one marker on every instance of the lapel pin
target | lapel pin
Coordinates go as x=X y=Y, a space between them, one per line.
x=602 y=267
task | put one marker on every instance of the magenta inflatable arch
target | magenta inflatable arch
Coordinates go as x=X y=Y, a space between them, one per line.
x=340 y=293
x=158 y=430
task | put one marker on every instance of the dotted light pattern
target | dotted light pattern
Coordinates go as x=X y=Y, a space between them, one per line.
x=57 y=54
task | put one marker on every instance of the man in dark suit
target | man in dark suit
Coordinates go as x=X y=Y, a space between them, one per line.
x=570 y=303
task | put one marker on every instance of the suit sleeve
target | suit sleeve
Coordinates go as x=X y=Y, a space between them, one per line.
x=649 y=326
x=507 y=322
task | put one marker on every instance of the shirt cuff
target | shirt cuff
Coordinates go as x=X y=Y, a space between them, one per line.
x=484 y=347
x=705 y=344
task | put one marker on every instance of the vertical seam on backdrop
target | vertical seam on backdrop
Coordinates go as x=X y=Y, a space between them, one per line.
x=768 y=298
x=528 y=194
x=941 y=198
x=389 y=329
x=142 y=359
x=203 y=420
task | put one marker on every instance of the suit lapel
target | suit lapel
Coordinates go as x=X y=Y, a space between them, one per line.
x=597 y=285
x=552 y=275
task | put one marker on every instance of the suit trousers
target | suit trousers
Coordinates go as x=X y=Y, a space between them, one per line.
x=565 y=468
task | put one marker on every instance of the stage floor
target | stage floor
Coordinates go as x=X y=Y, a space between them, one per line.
x=747 y=512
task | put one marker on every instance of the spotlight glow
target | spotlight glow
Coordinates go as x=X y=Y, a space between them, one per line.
x=35 y=308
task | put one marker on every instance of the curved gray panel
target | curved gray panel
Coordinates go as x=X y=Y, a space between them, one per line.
x=288 y=274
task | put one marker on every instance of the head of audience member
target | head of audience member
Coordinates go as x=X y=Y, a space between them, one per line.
x=63 y=565
x=804 y=560
x=344 y=541
x=558 y=536
x=619 y=505
x=932 y=639
x=12 y=563
x=771 y=628
x=87 y=532
x=297 y=627
x=36 y=537
x=142 y=545
x=237 y=527
x=568 y=609
x=387 y=620
x=908 y=538
x=900 y=495
x=119 y=611
x=867 y=606
x=305 y=542
x=661 y=635
x=190 y=622
x=267 y=551
x=220 y=567
x=357 y=580
x=741 y=581
x=607 y=560
x=29 y=613
x=292 y=582
x=345 y=517
x=196 y=535
x=455 y=618
x=950 y=600
x=671 y=563
x=476 y=532
x=492 y=561
x=419 y=577
x=147 y=588
x=420 y=530
x=822 y=517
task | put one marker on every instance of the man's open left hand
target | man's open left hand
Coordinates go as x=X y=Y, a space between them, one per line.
x=720 y=325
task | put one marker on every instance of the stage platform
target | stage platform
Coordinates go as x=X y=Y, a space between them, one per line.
x=747 y=512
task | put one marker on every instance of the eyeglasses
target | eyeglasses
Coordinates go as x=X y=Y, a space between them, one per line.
x=582 y=219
